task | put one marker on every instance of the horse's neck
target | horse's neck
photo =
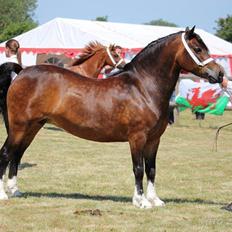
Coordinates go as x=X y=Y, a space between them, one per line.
x=159 y=74
x=93 y=66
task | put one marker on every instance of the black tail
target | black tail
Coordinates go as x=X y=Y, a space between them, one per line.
x=5 y=80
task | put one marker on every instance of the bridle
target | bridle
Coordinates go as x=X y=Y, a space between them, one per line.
x=193 y=56
x=116 y=64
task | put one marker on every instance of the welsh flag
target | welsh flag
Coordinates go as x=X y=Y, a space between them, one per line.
x=202 y=97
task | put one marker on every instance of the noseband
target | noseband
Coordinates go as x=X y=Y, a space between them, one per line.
x=116 y=64
x=196 y=60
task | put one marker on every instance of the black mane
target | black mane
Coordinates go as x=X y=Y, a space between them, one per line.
x=154 y=45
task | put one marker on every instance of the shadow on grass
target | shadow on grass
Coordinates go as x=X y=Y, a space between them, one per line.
x=116 y=198
x=192 y=201
x=53 y=128
x=78 y=196
x=26 y=165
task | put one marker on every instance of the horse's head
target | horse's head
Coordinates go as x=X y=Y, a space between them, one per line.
x=194 y=57
x=114 y=57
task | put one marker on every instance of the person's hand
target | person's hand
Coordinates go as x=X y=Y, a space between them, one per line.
x=224 y=82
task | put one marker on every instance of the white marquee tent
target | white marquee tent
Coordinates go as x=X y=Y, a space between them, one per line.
x=69 y=36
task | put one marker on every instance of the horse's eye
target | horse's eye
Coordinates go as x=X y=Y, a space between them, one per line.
x=197 y=50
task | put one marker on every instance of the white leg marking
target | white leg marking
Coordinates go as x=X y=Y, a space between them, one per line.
x=141 y=201
x=12 y=187
x=3 y=195
x=152 y=196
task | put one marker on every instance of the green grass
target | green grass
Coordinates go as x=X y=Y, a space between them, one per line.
x=71 y=184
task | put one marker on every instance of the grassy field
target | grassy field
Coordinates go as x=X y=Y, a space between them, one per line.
x=70 y=184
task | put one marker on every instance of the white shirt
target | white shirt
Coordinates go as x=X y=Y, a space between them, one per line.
x=12 y=58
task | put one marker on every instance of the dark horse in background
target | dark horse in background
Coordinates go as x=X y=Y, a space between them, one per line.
x=132 y=106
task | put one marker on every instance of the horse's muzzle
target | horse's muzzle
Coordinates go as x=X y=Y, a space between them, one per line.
x=214 y=77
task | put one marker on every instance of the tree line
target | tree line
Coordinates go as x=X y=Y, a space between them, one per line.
x=17 y=18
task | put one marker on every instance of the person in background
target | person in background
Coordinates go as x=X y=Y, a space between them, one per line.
x=12 y=51
x=227 y=86
x=171 y=117
x=13 y=54
x=198 y=115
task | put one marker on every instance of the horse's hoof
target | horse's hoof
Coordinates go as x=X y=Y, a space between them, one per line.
x=157 y=202
x=16 y=193
x=228 y=207
x=146 y=205
x=141 y=202
x=3 y=196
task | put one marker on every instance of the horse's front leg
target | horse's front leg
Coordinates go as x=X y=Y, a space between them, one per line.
x=150 y=169
x=136 y=145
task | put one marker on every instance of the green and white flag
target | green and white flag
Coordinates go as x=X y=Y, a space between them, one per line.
x=202 y=97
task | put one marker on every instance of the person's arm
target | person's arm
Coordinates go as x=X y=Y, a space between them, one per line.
x=227 y=85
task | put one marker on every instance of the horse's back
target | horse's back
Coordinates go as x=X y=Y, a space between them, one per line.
x=39 y=87
x=41 y=78
x=47 y=91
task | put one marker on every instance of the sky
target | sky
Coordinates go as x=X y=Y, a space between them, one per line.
x=202 y=13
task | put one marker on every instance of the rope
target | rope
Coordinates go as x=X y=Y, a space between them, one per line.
x=217 y=133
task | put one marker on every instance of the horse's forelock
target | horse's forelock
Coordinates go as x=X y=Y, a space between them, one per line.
x=199 y=39
x=112 y=47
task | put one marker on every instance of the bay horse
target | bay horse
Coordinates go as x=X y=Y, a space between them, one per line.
x=95 y=57
x=130 y=106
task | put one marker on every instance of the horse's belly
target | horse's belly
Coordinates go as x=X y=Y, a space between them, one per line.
x=97 y=131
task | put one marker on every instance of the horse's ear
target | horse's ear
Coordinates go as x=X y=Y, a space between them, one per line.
x=192 y=30
x=112 y=47
x=189 y=33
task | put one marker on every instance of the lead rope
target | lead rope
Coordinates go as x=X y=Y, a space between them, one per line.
x=223 y=126
x=217 y=133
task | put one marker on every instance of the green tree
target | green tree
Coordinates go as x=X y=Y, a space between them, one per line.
x=16 y=17
x=161 y=22
x=102 y=18
x=224 y=28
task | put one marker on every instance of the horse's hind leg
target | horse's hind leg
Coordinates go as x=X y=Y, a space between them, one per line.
x=14 y=163
x=150 y=151
x=12 y=187
x=5 y=157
